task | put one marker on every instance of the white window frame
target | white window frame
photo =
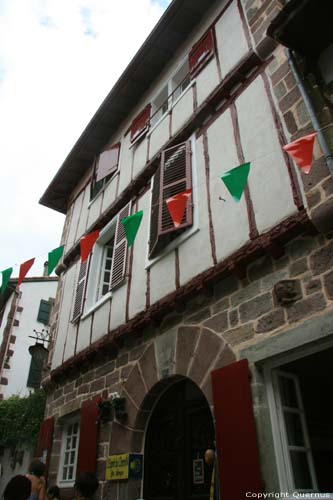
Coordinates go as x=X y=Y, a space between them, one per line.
x=284 y=471
x=195 y=222
x=65 y=483
x=93 y=301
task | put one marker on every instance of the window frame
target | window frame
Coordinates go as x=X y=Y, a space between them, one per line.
x=49 y=304
x=65 y=483
x=106 y=180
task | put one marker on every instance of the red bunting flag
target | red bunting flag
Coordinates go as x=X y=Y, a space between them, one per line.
x=24 y=268
x=86 y=244
x=177 y=205
x=301 y=151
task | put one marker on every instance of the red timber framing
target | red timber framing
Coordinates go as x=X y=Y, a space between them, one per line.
x=236 y=442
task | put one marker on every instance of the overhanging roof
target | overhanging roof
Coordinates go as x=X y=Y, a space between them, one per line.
x=304 y=26
x=181 y=17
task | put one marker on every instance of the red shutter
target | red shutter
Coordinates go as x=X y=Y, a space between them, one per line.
x=87 y=455
x=201 y=52
x=235 y=432
x=108 y=162
x=174 y=176
x=44 y=444
x=80 y=290
x=120 y=249
x=141 y=123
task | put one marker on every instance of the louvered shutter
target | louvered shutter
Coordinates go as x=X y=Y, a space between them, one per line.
x=107 y=162
x=87 y=454
x=120 y=249
x=140 y=124
x=174 y=176
x=80 y=290
x=201 y=52
x=45 y=439
x=235 y=432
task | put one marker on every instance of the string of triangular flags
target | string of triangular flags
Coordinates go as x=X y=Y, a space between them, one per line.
x=235 y=180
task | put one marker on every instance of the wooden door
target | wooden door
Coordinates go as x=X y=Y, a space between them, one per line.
x=179 y=432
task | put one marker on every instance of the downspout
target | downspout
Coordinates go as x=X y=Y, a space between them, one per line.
x=309 y=106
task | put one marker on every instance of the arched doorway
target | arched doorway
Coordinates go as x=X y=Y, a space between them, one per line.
x=179 y=432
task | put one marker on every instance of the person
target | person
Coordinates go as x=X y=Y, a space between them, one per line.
x=18 y=488
x=36 y=477
x=85 y=486
x=53 y=493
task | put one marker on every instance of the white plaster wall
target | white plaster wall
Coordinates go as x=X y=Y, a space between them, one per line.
x=195 y=253
x=76 y=215
x=230 y=221
x=230 y=39
x=140 y=156
x=84 y=214
x=139 y=278
x=94 y=209
x=8 y=472
x=162 y=277
x=269 y=181
x=101 y=321
x=32 y=293
x=118 y=307
x=206 y=81
x=182 y=110
x=125 y=163
x=110 y=192
x=66 y=327
x=83 y=337
x=159 y=135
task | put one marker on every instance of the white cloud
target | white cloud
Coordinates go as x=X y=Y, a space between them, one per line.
x=58 y=61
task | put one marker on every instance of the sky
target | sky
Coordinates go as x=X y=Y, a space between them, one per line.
x=58 y=61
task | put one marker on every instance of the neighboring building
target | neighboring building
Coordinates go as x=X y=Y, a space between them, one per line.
x=24 y=323
x=219 y=330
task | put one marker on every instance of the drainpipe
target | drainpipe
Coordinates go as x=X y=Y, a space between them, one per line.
x=309 y=106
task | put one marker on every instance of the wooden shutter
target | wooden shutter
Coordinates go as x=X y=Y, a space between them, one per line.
x=87 y=454
x=174 y=176
x=202 y=52
x=236 y=442
x=141 y=123
x=120 y=249
x=108 y=162
x=80 y=290
x=44 y=443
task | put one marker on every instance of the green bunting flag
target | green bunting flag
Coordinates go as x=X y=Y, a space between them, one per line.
x=54 y=257
x=6 y=274
x=235 y=180
x=131 y=225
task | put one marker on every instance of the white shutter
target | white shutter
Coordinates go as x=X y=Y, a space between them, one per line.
x=120 y=249
x=80 y=290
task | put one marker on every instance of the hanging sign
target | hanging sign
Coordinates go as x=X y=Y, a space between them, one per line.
x=124 y=466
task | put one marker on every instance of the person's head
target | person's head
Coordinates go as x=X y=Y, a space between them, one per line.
x=36 y=467
x=86 y=485
x=53 y=492
x=18 y=488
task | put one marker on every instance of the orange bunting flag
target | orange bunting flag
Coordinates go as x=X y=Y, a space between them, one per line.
x=24 y=268
x=177 y=205
x=86 y=244
x=301 y=151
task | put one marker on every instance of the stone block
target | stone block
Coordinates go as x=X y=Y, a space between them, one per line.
x=301 y=247
x=233 y=318
x=105 y=369
x=148 y=367
x=328 y=284
x=312 y=286
x=261 y=267
x=254 y=308
x=239 y=335
x=289 y=99
x=186 y=341
x=298 y=267
x=313 y=198
x=199 y=317
x=219 y=323
x=290 y=122
x=270 y=321
x=112 y=378
x=287 y=292
x=328 y=186
x=226 y=287
x=305 y=307
x=221 y=305
x=270 y=280
x=97 y=385
x=317 y=173
x=208 y=346
x=246 y=293
x=135 y=386
x=322 y=259
x=322 y=216
x=122 y=360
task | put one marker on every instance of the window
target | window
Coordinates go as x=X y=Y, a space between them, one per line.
x=105 y=167
x=160 y=106
x=181 y=80
x=44 y=312
x=69 y=452
x=140 y=124
x=202 y=52
x=173 y=176
x=106 y=266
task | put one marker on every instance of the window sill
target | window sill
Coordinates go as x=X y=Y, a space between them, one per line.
x=97 y=305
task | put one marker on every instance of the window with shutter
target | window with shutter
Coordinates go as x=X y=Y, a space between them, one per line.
x=44 y=312
x=105 y=167
x=173 y=177
x=87 y=453
x=80 y=290
x=140 y=124
x=235 y=432
x=202 y=52
x=71 y=436
x=120 y=250
x=44 y=443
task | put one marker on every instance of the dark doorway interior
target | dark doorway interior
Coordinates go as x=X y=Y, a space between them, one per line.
x=179 y=432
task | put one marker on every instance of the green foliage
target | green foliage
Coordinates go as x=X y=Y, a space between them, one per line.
x=20 y=419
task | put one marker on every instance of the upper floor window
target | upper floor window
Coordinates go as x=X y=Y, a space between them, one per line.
x=105 y=167
x=44 y=311
x=202 y=52
x=172 y=177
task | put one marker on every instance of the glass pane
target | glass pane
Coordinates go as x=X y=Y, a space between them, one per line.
x=75 y=428
x=66 y=458
x=68 y=443
x=294 y=429
x=72 y=457
x=70 y=472
x=74 y=442
x=64 y=473
x=108 y=264
x=105 y=289
x=288 y=392
x=301 y=471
